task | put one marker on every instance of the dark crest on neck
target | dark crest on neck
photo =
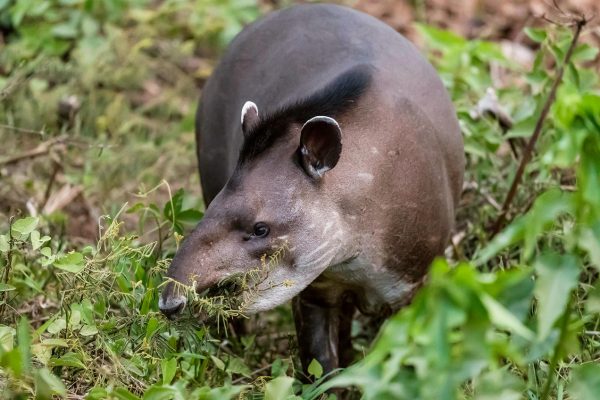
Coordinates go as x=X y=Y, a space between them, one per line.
x=332 y=100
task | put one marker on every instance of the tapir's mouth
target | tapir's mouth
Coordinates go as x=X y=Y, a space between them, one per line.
x=229 y=287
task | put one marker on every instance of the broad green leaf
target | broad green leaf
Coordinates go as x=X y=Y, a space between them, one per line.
x=88 y=330
x=48 y=385
x=584 y=52
x=25 y=226
x=557 y=276
x=57 y=326
x=124 y=394
x=439 y=38
x=218 y=363
x=236 y=365
x=504 y=318
x=161 y=392
x=36 y=240
x=315 y=368
x=151 y=327
x=538 y=35
x=279 y=388
x=190 y=216
x=46 y=251
x=585 y=382
x=69 y=359
x=72 y=262
x=168 y=369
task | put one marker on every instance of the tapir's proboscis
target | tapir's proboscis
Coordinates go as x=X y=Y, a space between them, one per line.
x=325 y=136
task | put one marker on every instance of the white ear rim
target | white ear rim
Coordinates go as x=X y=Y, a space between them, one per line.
x=247 y=106
x=322 y=118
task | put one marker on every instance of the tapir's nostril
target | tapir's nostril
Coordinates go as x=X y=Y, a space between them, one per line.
x=171 y=306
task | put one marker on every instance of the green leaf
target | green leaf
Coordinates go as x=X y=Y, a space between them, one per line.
x=538 y=35
x=124 y=394
x=46 y=251
x=236 y=365
x=504 y=318
x=72 y=262
x=36 y=240
x=168 y=369
x=315 y=368
x=69 y=359
x=5 y=287
x=584 y=52
x=190 y=216
x=439 y=38
x=590 y=241
x=218 y=363
x=24 y=343
x=48 y=385
x=57 y=326
x=4 y=244
x=159 y=392
x=173 y=207
x=88 y=330
x=585 y=382
x=545 y=211
x=557 y=277
x=7 y=337
x=65 y=31
x=25 y=226
x=151 y=327
x=279 y=388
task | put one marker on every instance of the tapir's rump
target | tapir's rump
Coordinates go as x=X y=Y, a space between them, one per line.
x=348 y=154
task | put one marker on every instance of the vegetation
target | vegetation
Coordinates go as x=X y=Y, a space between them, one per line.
x=96 y=109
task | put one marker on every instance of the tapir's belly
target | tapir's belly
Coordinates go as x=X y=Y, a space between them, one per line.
x=375 y=288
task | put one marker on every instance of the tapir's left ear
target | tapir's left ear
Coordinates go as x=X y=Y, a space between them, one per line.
x=320 y=145
x=249 y=116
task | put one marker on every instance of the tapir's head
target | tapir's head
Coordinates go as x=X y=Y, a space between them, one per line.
x=276 y=202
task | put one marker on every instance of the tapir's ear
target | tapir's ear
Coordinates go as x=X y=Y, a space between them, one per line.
x=320 y=145
x=249 y=116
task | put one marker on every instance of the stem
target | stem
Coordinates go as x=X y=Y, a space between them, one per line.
x=556 y=356
x=526 y=157
x=8 y=266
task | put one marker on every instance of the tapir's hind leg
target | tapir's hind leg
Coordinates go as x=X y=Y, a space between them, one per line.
x=324 y=333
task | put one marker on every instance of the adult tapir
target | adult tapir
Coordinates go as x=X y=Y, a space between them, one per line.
x=324 y=132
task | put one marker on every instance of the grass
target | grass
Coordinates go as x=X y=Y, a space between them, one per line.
x=96 y=123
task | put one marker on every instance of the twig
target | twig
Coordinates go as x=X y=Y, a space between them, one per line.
x=526 y=156
x=241 y=379
x=55 y=169
x=40 y=150
x=23 y=130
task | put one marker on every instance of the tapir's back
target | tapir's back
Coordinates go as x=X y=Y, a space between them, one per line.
x=292 y=53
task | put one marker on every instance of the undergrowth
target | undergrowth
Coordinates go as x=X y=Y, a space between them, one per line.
x=96 y=107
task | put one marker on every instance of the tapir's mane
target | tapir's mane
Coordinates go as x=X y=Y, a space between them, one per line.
x=332 y=100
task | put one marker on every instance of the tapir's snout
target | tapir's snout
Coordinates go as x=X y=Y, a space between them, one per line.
x=171 y=303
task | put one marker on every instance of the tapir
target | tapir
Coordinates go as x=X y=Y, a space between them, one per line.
x=325 y=133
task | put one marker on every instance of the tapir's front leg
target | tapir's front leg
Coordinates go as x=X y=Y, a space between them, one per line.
x=323 y=332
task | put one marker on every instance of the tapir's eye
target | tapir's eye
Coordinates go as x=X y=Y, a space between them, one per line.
x=260 y=230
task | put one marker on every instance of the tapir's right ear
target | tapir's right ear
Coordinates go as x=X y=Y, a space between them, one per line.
x=320 y=145
x=249 y=116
